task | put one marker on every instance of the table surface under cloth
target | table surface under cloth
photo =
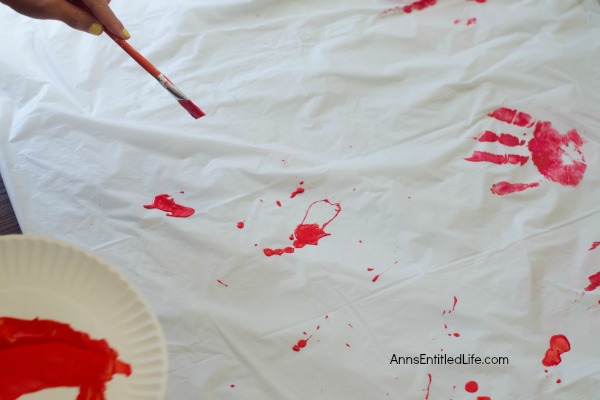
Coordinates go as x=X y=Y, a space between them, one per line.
x=415 y=126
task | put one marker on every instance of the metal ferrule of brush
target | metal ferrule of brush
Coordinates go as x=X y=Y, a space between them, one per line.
x=174 y=90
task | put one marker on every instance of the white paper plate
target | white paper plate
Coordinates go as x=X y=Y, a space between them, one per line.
x=49 y=279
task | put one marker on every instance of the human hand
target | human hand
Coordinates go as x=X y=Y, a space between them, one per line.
x=94 y=22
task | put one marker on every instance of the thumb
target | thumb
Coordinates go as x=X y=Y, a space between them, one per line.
x=76 y=18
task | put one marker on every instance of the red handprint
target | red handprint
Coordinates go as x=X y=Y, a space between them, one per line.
x=557 y=157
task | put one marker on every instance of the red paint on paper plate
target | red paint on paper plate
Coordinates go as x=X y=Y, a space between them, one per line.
x=296 y=192
x=502 y=188
x=241 y=225
x=42 y=354
x=165 y=203
x=559 y=344
x=307 y=234
x=549 y=154
x=594 y=246
x=594 y=282
x=471 y=386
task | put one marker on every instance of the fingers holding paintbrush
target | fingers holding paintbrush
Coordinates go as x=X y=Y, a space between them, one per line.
x=92 y=16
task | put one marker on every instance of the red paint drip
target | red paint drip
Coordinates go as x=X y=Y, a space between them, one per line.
x=240 y=225
x=296 y=192
x=471 y=386
x=559 y=344
x=503 y=188
x=484 y=156
x=165 y=203
x=594 y=246
x=428 y=387
x=594 y=282
x=504 y=138
x=301 y=183
x=218 y=280
x=552 y=160
x=512 y=117
x=42 y=354
x=307 y=234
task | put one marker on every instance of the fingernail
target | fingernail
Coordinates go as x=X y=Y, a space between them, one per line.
x=95 y=29
x=126 y=33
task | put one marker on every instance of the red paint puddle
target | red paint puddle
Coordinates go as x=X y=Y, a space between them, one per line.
x=471 y=386
x=221 y=282
x=241 y=225
x=559 y=344
x=42 y=354
x=594 y=246
x=303 y=342
x=594 y=282
x=503 y=188
x=296 y=192
x=306 y=234
x=428 y=387
x=557 y=157
x=165 y=203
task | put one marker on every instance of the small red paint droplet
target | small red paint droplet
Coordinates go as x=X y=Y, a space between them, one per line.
x=232 y=385
x=360 y=241
x=221 y=282
x=255 y=244
x=594 y=246
x=347 y=345
x=302 y=343
x=301 y=183
x=295 y=347
x=278 y=203
x=350 y=325
x=327 y=317
x=558 y=381
x=240 y=225
x=370 y=269
x=291 y=237
x=483 y=397
x=471 y=386
x=456 y=22
x=297 y=192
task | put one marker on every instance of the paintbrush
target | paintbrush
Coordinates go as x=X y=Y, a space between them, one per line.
x=185 y=102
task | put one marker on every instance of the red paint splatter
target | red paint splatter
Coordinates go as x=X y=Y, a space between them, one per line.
x=370 y=269
x=502 y=188
x=303 y=342
x=549 y=156
x=240 y=225
x=484 y=156
x=42 y=354
x=376 y=277
x=594 y=246
x=296 y=192
x=503 y=138
x=471 y=21
x=278 y=203
x=428 y=387
x=347 y=345
x=559 y=344
x=307 y=234
x=455 y=300
x=165 y=203
x=594 y=282
x=471 y=386
x=221 y=282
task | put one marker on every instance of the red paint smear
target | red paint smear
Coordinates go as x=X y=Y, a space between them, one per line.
x=296 y=192
x=417 y=5
x=193 y=109
x=484 y=156
x=594 y=282
x=594 y=246
x=471 y=21
x=240 y=225
x=471 y=386
x=42 y=354
x=278 y=203
x=559 y=344
x=307 y=234
x=504 y=138
x=502 y=188
x=165 y=203
x=428 y=387
x=218 y=280
x=512 y=117
x=548 y=154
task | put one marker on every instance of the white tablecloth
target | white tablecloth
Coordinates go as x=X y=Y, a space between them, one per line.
x=375 y=112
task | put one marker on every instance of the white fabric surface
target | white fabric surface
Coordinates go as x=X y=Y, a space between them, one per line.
x=376 y=113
